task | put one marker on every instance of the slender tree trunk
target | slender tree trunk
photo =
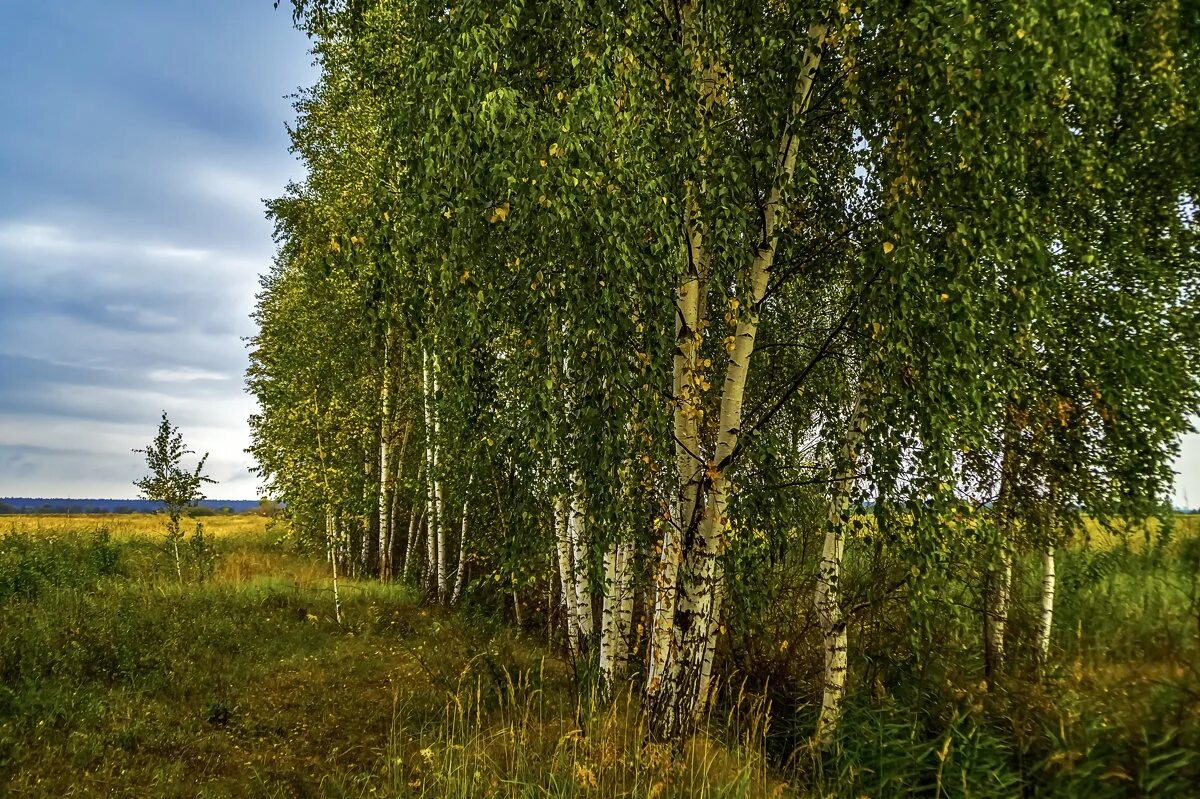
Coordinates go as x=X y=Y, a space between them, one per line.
x=435 y=564
x=998 y=585
x=331 y=535
x=827 y=601
x=566 y=573
x=608 y=622
x=416 y=527
x=396 y=544
x=1047 y=620
x=368 y=544
x=173 y=532
x=577 y=532
x=384 y=495
x=616 y=615
x=997 y=599
x=688 y=599
x=462 y=551
x=415 y=517
x=442 y=579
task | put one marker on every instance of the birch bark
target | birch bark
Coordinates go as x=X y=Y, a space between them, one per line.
x=577 y=531
x=1047 y=619
x=616 y=615
x=384 y=544
x=999 y=588
x=566 y=573
x=435 y=474
x=433 y=492
x=827 y=601
x=687 y=607
x=462 y=552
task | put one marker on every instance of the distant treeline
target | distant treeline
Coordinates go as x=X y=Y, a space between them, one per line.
x=44 y=505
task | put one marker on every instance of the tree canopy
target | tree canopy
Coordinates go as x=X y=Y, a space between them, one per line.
x=659 y=296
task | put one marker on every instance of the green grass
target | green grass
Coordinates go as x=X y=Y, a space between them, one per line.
x=119 y=681
x=115 y=680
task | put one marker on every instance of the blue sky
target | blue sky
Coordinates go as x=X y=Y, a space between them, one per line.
x=138 y=141
x=139 y=138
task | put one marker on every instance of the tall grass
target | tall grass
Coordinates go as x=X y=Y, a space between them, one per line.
x=117 y=680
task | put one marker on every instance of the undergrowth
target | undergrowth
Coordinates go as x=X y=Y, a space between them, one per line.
x=115 y=680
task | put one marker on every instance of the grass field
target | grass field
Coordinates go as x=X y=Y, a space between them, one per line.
x=116 y=680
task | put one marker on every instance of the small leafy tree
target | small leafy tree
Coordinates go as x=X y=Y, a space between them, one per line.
x=174 y=486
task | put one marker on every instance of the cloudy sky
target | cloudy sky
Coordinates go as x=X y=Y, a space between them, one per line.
x=138 y=139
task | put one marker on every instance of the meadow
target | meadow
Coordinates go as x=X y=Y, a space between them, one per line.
x=117 y=680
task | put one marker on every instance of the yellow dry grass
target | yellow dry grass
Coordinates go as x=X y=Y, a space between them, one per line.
x=125 y=526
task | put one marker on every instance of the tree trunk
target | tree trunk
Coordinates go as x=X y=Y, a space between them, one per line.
x=435 y=564
x=827 y=601
x=368 y=544
x=1047 y=620
x=566 y=573
x=416 y=527
x=415 y=518
x=616 y=615
x=998 y=598
x=688 y=600
x=577 y=532
x=331 y=536
x=998 y=585
x=384 y=495
x=462 y=552
x=442 y=584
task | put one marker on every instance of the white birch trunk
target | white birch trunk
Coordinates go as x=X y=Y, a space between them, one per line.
x=679 y=678
x=999 y=593
x=462 y=550
x=435 y=549
x=1047 y=621
x=331 y=535
x=577 y=532
x=685 y=512
x=616 y=615
x=442 y=584
x=566 y=573
x=827 y=602
x=415 y=518
x=1001 y=599
x=384 y=497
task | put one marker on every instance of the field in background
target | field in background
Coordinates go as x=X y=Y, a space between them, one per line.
x=115 y=680
x=131 y=525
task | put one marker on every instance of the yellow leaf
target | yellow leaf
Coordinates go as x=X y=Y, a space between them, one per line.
x=1020 y=33
x=943 y=296
x=888 y=247
x=500 y=212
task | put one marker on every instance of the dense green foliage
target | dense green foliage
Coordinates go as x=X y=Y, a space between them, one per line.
x=700 y=333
